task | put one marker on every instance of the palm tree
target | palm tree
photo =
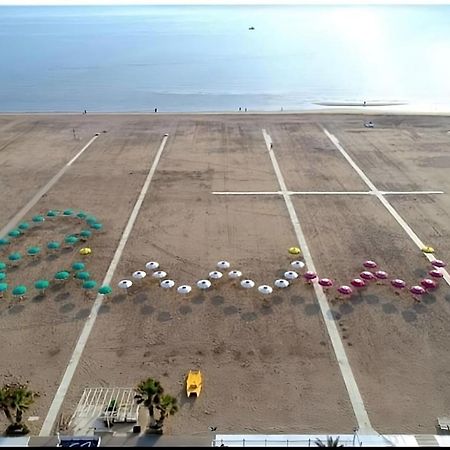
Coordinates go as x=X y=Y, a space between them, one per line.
x=167 y=407
x=149 y=393
x=330 y=442
x=16 y=398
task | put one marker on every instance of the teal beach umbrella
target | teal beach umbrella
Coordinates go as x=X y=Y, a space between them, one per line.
x=2 y=265
x=52 y=213
x=105 y=290
x=71 y=240
x=68 y=212
x=78 y=266
x=3 y=288
x=83 y=276
x=53 y=245
x=42 y=285
x=82 y=215
x=14 y=233
x=33 y=251
x=4 y=242
x=62 y=275
x=24 y=226
x=16 y=256
x=2 y=276
x=96 y=226
x=85 y=234
x=19 y=291
x=38 y=219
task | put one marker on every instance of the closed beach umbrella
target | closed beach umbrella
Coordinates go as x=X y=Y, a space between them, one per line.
x=2 y=276
x=215 y=275
x=152 y=265
x=4 y=242
x=369 y=264
x=3 y=288
x=366 y=275
x=78 y=266
x=15 y=256
x=139 y=274
x=264 y=289
x=309 y=275
x=19 y=291
x=294 y=251
x=85 y=251
x=125 y=284
x=2 y=265
x=397 y=283
x=52 y=213
x=85 y=234
x=24 y=226
x=184 y=289
x=68 y=212
x=14 y=233
x=381 y=275
x=96 y=226
x=62 y=275
x=435 y=273
x=281 y=283
x=297 y=264
x=223 y=265
x=83 y=275
x=38 y=219
x=427 y=283
x=203 y=284
x=290 y=275
x=159 y=274
x=438 y=263
x=234 y=274
x=417 y=291
x=53 y=245
x=247 y=284
x=42 y=285
x=358 y=283
x=345 y=290
x=167 y=284
x=105 y=290
x=326 y=282
x=33 y=251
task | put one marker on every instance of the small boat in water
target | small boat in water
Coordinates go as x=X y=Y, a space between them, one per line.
x=251 y=28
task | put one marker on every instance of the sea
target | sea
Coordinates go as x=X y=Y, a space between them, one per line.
x=222 y=58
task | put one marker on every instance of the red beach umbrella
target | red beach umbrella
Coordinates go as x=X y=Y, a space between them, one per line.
x=326 y=282
x=435 y=273
x=369 y=264
x=417 y=291
x=438 y=263
x=397 y=283
x=358 y=283
x=366 y=275
x=427 y=283
x=345 y=290
x=309 y=276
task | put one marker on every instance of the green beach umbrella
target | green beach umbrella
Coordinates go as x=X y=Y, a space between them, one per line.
x=71 y=240
x=62 y=275
x=82 y=215
x=78 y=266
x=105 y=290
x=2 y=276
x=4 y=242
x=16 y=256
x=96 y=226
x=33 y=251
x=68 y=212
x=38 y=219
x=85 y=234
x=89 y=284
x=53 y=245
x=3 y=288
x=24 y=226
x=42 y=285
x=83 y=276
x=2 y=265
x=14 y=233
x=52 y=213
x=19 y=291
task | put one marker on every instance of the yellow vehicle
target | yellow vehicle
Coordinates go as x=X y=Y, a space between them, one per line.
x=194 y=382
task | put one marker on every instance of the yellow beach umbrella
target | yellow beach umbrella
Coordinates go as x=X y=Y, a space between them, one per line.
x=85 y=251
x=294 y=251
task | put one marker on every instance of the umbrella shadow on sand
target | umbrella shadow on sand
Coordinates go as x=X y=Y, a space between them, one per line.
x=184 y=310
x=147 y=310
x=119 y=298
x=16 y=308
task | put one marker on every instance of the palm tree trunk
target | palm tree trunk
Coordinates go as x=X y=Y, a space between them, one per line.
x=8 y=414
x=19 y=415
x=151 y=413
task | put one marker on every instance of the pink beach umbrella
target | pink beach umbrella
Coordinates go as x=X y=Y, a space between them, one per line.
x=381 y=275
x=398 y=284
x=438 y=263
x=309 y=276
x=326 y=283
x=369 y=264
x=358 y=283
x=345 y=290
x=435 y=273
x=429 y=284
x=417 y=291
x=366 y=275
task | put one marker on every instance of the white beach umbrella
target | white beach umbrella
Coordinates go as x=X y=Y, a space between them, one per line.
x=281 y=283
x=215 y=275
x=297 y=264
x=152 y=265
x=264 y=289
x=167 y=284
x=139 y=274
x=159 y=274
x=184 y=289
x=203 y=284
x=290 y=275
x=125 y=284
x=235 y=274
x=223 y=265
x=247 y=284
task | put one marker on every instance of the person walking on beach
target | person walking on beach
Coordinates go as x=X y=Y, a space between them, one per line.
x=156 y=109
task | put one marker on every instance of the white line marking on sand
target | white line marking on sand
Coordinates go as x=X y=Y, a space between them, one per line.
x=60 y=395
x=19 y=216
x=347 y=374
x=327 y=192
x=386 y=204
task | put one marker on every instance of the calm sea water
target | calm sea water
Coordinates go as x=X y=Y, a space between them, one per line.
x=205 y=58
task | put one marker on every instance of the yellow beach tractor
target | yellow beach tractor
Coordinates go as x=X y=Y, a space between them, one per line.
x=194 y=383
